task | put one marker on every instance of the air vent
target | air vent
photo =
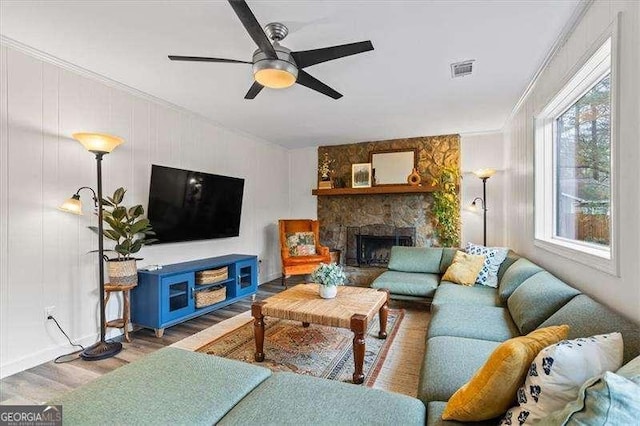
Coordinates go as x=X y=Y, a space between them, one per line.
x=460 y=69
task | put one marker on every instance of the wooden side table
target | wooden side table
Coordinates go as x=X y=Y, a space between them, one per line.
x=126 y=314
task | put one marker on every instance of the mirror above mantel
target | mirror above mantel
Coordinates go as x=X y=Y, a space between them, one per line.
x=392 y=167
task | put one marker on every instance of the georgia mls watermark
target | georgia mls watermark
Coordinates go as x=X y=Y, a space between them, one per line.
x=30 y=415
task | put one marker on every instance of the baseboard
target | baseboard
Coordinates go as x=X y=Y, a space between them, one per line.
x=272 y=277
x=50 y=354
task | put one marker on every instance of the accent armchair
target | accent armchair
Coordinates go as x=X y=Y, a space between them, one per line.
x=300 y=247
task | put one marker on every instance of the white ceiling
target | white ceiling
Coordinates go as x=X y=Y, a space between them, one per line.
x=403 y=88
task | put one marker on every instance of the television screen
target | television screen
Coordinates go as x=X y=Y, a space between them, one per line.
x=186 y=205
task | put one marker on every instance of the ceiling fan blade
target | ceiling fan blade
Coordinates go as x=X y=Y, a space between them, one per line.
x=202 y=59
x=314 y=84
x=254 y=90
x=252 y=26
x=306 y=58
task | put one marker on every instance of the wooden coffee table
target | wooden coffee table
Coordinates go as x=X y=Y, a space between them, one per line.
x=352 y=309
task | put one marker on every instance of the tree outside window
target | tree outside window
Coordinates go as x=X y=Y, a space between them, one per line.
x=583 y=167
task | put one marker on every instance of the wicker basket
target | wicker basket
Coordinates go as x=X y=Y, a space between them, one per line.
x=210 y=296
x=122 y=272
x=212 y=276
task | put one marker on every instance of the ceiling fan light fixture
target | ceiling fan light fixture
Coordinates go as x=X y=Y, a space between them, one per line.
x=277 y=73
x=275 y=78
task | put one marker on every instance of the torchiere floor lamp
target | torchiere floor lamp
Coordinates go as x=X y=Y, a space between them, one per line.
x=99 y=144
x=483 y=174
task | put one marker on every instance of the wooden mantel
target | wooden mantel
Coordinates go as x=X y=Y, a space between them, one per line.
x=383 y=189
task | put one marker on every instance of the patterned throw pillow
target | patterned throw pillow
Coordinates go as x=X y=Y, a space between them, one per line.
x=610 y=399
x=557 y=373
x=494 y=256
x=301 y=243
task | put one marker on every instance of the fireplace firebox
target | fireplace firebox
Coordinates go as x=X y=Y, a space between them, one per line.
x=370 y=245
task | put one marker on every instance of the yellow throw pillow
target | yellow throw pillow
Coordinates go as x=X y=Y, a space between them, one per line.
x=464 y=269
x=492 y=390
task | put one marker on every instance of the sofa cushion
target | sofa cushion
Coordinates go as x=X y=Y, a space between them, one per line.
x=465 y=295
x=516 y=275
x=407 y=283
x=293 y=399
x=537 y=298
x=434 y=417
x=415 y=259
x=145 y=391
x=586 y=317
x=472 y=321
x=448 y=253
x=449 y=363
x=512 y=257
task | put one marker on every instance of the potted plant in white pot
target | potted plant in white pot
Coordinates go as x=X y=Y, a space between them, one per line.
x=328 y=277
x=129 y=230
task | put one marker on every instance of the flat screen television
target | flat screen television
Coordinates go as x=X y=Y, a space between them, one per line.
x=186 y=205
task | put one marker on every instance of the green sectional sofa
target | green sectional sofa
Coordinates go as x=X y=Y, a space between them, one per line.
x=178 y=387
x=468 y=323
x=173 y=386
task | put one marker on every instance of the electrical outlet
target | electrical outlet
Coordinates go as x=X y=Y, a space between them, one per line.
x=49 y=311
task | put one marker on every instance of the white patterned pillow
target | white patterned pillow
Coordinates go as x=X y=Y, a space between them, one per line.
x=494 y=256
x=558 y=372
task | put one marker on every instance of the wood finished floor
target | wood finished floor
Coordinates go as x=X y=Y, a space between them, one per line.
x=46 y=381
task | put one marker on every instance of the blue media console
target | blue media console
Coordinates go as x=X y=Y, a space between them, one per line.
x=166 y=297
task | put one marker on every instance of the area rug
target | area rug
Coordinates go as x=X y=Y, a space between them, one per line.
x=317 y=350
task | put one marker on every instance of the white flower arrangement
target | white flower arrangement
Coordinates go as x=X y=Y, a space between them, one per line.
x=329 y=275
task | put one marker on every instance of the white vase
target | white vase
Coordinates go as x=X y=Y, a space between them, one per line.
x=328 y=291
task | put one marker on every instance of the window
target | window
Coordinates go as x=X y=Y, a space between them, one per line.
x=574 y=195
x=583 y=167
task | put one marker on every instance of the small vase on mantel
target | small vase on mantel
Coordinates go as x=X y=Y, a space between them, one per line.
x=414 y=178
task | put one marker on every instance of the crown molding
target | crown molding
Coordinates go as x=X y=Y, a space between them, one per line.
x=567 y=30
x=46 y=57
x=481 y=133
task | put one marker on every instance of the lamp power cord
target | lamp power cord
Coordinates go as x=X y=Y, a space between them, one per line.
x=58 y=359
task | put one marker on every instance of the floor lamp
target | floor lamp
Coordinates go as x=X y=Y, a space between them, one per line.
x=99 y=144
x=483 y=174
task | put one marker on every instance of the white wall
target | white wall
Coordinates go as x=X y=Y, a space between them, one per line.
x=303 y=177
x=480 y=151
x=43 y=252
x=620 y=293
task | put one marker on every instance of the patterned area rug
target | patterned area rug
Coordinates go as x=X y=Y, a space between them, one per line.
x=316 y=351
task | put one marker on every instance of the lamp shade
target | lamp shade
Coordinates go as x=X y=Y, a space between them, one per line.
x=98 y=142
x=484 y=173
x=72 y=205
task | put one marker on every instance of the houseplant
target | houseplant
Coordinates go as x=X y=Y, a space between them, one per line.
x=129 y=230
x=328 y=277
x=446 y=207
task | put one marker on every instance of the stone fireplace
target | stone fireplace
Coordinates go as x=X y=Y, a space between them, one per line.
x=365 y=226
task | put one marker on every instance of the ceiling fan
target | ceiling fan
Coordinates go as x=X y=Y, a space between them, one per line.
x=275 y=66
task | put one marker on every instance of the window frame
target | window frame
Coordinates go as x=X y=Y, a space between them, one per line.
x=600 y=60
